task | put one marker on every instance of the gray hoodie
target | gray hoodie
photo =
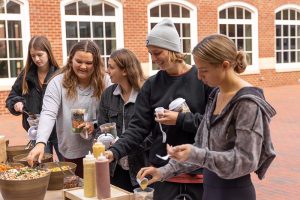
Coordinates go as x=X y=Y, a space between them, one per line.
x=234 y=143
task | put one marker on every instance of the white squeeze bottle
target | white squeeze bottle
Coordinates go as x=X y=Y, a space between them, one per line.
x=89 y=175
x=102 y=177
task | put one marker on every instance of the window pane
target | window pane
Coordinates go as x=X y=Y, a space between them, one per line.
x=70 y=9
x=298 y=15
x=298 y=56
x=298 y=30
x=1 y=11
x=3 y=69
x=285 y=43
x=293 y=43
x=285 y=30
x=285 y=14
x=223 y=29
x=293 y=56
x=292 y=15
x=165 y=10
x=185 y=12
x=97 y=9
x=98 y=29
x=154 y=12
x=15 y=49
x=188 y=59
x=70 y=44
x=231 y=14
x=109 y=10
x=110 y=46
x=248 y=30
x=278 y=44
x=110 y=29
x=14 y=29
x=278 y=57
x=298 y=43
x=100 y=44
x=231 y=30
x=186 y=43
x=2 y=29
x=177 y=26
x=292 y=30
x=278 y=30
x=247 y=14
x=285 y=57
x=15 y=67
x=240 y=30
x=240 y=44
x=71 y=31
x=222 y=14
x=3 y=49
x=248 y=45
x=13 y=7
x=239 y=13
x=186 y=30
x=175 y=11
x=249 y=58
x=84 y=9
x=152 y=25
x=85 y=29
x=278 y=15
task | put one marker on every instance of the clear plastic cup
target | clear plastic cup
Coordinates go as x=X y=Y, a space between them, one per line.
x=107 y=139
x=109 y=128
x=179 y=105
x=77 y=117
x=146 y=194
x=33 y=121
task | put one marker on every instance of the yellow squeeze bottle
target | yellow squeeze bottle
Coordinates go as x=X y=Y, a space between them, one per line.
x=89 y=175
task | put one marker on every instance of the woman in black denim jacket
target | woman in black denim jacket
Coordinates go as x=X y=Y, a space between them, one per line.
x=117 y=105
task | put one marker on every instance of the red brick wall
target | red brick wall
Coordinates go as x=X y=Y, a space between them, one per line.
x=45 y=20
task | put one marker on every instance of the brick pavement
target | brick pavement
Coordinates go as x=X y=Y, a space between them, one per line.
x=282 y=181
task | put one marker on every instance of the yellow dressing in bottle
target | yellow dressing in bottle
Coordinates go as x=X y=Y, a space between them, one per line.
x=89 y=176
x=98 y=148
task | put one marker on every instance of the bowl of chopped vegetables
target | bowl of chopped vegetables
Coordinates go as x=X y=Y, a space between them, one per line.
x=58 y=173
x=24 y=183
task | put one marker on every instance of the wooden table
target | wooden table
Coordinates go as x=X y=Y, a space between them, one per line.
x=50 y=195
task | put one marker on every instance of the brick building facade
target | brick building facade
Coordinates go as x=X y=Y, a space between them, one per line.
x=268 y=30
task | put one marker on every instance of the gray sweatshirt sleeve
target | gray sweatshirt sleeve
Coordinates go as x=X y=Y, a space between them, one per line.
x=51 y=105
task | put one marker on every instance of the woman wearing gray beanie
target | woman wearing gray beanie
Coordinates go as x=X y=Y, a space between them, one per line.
x=175 y=79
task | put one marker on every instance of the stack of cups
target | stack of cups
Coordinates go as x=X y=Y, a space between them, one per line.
x=179 y=105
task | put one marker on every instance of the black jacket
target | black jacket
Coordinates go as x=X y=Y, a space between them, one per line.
x=159 y=91
x=32 y=101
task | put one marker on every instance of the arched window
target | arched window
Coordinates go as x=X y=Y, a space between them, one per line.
x=183 y=15
x=14 y=35
x=100 y=21
x=239 y=22
x=287 y=37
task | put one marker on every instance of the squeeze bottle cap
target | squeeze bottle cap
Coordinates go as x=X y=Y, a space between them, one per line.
x=90 y=156
x=102 y=157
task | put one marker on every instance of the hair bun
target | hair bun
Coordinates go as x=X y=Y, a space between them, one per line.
x=241 y=62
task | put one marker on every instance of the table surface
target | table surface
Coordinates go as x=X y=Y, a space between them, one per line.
x=50 y=195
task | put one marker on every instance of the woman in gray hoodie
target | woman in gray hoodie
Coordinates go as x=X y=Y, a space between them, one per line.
x=233 y=139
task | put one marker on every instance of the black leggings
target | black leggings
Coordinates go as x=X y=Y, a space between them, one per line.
x=216 y=188
x=177 y=191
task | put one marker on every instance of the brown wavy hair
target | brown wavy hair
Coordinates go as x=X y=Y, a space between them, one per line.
x=40 y=43
x=127 y=60
x=70 y=80
x=217 y=48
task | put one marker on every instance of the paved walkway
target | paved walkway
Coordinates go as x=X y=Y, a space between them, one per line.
x=282 y=181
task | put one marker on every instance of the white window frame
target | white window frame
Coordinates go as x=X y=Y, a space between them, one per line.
x=118 y=19
x=286 y=67
x=6 y=83
x=254 y=68
x=192 y=21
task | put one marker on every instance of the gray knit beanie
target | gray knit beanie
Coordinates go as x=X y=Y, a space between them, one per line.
x=164 y=35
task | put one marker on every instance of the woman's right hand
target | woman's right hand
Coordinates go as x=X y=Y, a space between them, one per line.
x=152 y=171
x=18 y=107
x=109 y=155
x=37 y=151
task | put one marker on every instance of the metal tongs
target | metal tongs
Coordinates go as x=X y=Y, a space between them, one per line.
x=75 y=177
x=30 y=114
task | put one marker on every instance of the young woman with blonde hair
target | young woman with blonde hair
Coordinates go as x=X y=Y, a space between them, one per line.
x=79 y=84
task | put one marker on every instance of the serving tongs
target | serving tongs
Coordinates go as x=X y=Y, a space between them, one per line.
x=29 y=144
x=30 y=114
x=73 y=176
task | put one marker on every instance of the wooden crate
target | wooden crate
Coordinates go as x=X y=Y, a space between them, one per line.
x=116 y=194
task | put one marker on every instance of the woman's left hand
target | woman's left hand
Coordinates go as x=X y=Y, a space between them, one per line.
x=179 y=153
x=87 y=126
x=168 y=117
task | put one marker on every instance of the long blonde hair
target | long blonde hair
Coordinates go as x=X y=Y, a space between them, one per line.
x=70 y=80
x=217 y=48
x=40 y=43
x=127 y=60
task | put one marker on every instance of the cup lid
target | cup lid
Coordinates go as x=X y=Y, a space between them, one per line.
x=175 y=103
